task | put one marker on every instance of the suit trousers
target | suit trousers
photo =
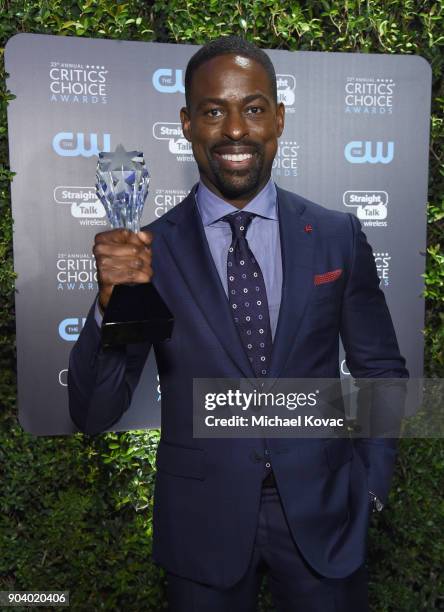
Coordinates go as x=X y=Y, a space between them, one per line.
x=293 y=584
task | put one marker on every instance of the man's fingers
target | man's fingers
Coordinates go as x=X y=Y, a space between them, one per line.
x=136 y=272
x=122 y=257
x=111 y=262
x=125 y=276
x=124 y=236
x=115 y=235
x=146 y=237
x=120 y=249
x=108 y=264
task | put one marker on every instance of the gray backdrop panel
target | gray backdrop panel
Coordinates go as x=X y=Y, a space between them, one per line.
x=75 y=96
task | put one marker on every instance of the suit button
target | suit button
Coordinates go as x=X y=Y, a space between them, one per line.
x=266 y=452
x=255 y=457
x=268 y=465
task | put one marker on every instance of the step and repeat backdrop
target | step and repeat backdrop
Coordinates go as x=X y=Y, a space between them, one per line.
x=356 y=140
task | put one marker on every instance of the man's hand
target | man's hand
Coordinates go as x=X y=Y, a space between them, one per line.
x=122 y=257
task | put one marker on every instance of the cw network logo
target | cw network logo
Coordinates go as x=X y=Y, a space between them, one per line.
x=69 y=329
x=68 y=144
x=165 y=82
x=362 y=152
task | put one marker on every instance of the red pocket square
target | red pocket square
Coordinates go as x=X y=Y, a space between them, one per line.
x=327 y=277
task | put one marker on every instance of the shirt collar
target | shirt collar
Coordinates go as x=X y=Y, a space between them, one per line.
x=212 y=207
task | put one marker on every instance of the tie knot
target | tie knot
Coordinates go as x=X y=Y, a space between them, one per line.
x=239 y=223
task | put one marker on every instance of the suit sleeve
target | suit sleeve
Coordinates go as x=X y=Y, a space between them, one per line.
x=372 y=351
x=101 y=381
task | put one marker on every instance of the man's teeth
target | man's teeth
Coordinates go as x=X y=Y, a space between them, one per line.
x=238 y=157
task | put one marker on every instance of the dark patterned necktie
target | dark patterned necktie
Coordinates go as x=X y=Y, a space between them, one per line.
x=247 y=295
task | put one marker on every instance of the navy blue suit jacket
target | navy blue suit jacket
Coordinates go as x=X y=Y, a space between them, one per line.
x=207 y=491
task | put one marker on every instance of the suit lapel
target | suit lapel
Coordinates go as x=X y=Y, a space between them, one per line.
x=297 y=262
x=188 y=245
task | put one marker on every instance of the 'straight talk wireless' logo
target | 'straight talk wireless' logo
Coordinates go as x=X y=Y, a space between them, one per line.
x=83 y=202
x=371 y=206
x=178 y=145
x=286 y=91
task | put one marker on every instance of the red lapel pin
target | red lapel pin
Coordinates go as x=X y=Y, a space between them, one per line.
x=308 y=228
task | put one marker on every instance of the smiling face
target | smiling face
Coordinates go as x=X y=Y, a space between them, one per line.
x=233 y=123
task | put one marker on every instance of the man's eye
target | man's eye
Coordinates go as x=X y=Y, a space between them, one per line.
x=254 y=110
x=214 y=112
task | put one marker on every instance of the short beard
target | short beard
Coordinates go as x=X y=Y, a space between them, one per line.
x=247 y=182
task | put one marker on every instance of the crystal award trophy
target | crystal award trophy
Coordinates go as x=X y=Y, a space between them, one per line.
x=135 y=313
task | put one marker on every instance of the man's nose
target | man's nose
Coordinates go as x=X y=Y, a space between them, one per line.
x=235 y=126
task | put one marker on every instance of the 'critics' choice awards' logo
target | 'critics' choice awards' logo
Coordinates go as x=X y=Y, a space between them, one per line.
x=178 y=145
x=77 y=83
x=363 y=152
x=166 y=80
x=84 y=205
x=286 y=86
x=287 y=158
x=69 y=329
x=369 y=96
x=68 y=144
x=382 y=261
x=165 y=199
x=371 y=206
x=76 y=272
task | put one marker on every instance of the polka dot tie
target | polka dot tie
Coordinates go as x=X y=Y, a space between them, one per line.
x=247 y=295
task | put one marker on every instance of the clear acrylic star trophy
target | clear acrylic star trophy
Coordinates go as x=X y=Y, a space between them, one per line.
x=135 y=313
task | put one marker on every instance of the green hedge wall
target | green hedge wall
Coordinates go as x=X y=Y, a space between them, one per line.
x=75 y=512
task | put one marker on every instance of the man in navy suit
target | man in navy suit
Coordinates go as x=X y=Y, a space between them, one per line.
x=228 y=510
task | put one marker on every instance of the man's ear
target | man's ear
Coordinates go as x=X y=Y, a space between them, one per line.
x=280 y=118
x=186 y=124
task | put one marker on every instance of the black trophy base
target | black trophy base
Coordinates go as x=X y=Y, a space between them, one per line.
x=136 y=313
